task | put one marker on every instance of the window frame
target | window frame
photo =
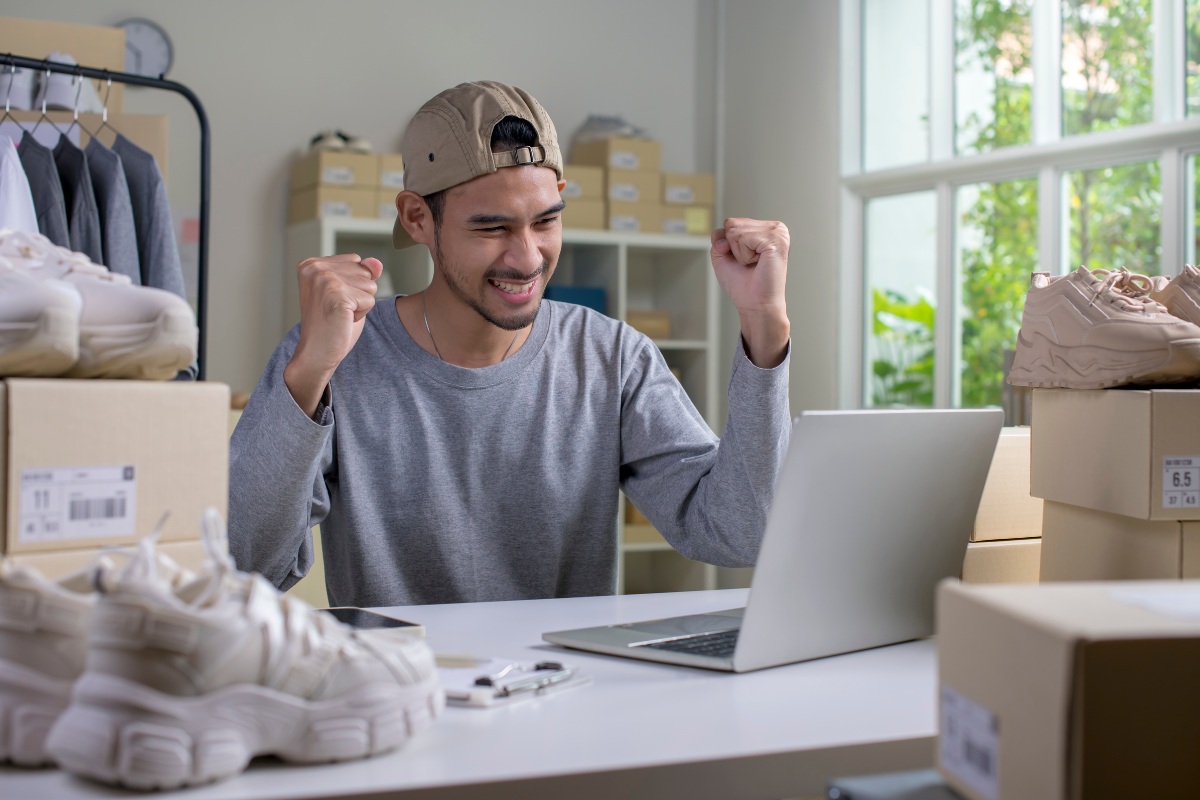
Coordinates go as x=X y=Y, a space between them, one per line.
x=1170 y=138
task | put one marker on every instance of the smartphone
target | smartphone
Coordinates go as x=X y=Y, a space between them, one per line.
x=362 y=619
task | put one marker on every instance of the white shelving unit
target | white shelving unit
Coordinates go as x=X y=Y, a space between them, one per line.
x=638 y=272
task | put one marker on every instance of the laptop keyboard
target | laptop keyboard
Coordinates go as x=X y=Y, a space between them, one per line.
x=714 y=645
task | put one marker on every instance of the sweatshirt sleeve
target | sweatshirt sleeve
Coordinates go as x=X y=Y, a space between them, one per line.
x=278 y=461
x=709 y=498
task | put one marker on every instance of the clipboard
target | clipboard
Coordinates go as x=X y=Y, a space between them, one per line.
x=491 y=682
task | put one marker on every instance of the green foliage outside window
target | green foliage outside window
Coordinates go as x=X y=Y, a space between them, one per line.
x=902 y=374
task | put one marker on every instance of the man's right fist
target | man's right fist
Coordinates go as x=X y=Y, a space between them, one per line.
x=336 y=292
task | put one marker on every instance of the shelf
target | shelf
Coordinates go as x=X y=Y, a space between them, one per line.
x=681 y=344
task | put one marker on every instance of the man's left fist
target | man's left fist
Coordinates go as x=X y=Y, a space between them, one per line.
x=749 y=257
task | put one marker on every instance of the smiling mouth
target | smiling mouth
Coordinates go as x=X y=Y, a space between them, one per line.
x=512 y=288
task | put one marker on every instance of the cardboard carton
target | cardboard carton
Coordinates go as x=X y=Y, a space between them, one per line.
x=189 y=555
x=1069 y=691
x=385 y=203
x=1082 y=544
x=1007 y=510
x=391 y=172
x=645 y=217
x=1013 y=561
x=91 y=462
x=655 y=324
x=332 y=201
x=591 y=214
x=625 y=186
x=619 y=153
x=583 y=182
x=334 y=168
x=98 y=46
x=688 y=189
x=1125 y=451
x=694 y=220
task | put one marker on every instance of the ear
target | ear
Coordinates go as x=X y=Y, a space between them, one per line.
x=415 y=217
x=561 y=185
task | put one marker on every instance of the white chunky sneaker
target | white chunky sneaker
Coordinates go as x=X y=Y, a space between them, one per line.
x=125 y=331
x=1091 y=330
x=186 y=685
x=43 y=647
x=1181 y=294
x=39 y=324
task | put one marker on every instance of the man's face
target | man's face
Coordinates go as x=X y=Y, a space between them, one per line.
x=499 y=242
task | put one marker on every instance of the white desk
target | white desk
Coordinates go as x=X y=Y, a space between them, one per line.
x=641 y=730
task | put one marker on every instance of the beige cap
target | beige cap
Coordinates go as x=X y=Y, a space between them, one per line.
x=449 y=140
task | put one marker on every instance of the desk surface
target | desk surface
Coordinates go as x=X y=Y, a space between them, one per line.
x=640 y=728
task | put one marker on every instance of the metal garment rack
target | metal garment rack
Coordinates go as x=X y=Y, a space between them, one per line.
x=43 y=65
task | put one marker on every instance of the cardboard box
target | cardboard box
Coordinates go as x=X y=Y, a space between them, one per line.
x=591 y=214
x=1110 y=449
x=385 y=203
x=655 y=324
x=189 y=555
x=1082 y=544
x=391 y=172
x=688 y=189
x=1068 y=691
x=626 y=186
x=1013 y=561
x=619 y=153
x=646 y=217
x=332 y=201
x=94 y=462
x=333 y=168
x=583 y=183
x=694 y=220
x=98 y=46
x=1007 y=510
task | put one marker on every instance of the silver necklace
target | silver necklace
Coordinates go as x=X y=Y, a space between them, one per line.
x=439 y=352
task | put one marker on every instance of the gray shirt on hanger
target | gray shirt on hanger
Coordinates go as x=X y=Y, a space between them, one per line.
x=117 y=230
x=83 y=219
x=44 y=184
x=438 y=484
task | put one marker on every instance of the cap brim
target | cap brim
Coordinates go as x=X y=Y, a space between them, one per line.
x=400 y=238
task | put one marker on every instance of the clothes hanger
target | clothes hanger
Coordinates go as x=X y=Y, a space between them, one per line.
x=103 y=114
x=12 y=70
x=75 y=123
x=47 y=119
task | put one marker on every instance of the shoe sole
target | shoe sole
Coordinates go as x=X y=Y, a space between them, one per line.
x=151 y=351
x=30 y=703
x=44 y=348
x=120 y=732
x=1040 y=363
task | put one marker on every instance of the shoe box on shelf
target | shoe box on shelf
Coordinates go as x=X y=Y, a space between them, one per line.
x=336 y=183
x=390 y=182
x=1065 y=691
x=687 y=203
x=92 y=463
x=1005 y=544
x=584 y=196
x=1120 y=471
x=91 y=46
x=655 y=324
x=619 y=153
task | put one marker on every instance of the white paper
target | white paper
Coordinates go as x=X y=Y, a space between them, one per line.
x=624 y=222
x=77 y=502
x=335 y=208
x=572 y=190
x=623 y=159
x=675 y=225
x=680 y=194
x=623 y=192
x=969 y=740
x=1181 y=482
x=341 y=176
x=391 y=179
x=1182 y=602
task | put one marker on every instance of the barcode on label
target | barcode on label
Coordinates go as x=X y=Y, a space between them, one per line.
x=97 y=508
x=969 y=742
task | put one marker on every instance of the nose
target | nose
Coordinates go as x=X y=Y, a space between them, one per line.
x=523 y=253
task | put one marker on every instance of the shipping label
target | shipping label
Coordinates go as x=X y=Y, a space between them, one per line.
x=572 y=190
x=391 y=179
x=623 y=159
x=680 y=194
x=1181 y=482
x=675 y=225
x=623 y=192
x=340 y=176
x=624 y=222
x=388 y=211
x=335 y=208
x=60 y=503
x=969 y=742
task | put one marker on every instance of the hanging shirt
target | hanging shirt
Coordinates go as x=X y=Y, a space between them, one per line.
x=83 y=219
x=16 y=202
x=117 y=231
x=46 y=188
x=157 y=252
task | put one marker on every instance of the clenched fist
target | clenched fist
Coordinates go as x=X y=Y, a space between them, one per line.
x=336 y=292
x=749 y=257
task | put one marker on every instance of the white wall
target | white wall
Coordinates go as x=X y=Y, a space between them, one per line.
x=272 y=74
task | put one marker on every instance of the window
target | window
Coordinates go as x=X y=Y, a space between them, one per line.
x=997 y=139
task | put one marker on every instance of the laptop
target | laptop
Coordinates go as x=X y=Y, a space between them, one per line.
x=872 y=509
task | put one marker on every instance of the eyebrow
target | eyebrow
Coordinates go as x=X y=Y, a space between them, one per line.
x=492 y=219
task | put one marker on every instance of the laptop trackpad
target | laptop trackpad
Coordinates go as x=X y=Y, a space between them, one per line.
x=693 y=624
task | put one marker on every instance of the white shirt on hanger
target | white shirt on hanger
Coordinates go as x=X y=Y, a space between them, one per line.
x=16 y=201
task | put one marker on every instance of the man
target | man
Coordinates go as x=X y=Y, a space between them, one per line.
x=467 y=443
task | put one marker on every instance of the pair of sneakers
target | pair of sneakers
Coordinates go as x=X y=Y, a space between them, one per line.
x=152 y=677
x=339 y=140
x=62 y=315
x=1095 y=329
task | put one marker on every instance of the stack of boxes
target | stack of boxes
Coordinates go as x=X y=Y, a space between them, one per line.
x=617 y=184
x=1005 y=543
x=331 y=183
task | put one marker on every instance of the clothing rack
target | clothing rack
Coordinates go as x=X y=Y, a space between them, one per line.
x=42 y=65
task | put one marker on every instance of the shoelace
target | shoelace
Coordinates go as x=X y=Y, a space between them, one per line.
x=35 y=247
x=1127 y=287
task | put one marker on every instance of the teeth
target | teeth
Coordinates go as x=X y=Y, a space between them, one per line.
x=511 y=288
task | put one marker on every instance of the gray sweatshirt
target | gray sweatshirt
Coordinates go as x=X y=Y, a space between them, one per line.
x=438 y=484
